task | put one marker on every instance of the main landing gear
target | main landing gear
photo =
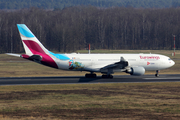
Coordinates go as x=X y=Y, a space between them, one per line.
x=157 y=73
x=91 y=75
x=107 y=76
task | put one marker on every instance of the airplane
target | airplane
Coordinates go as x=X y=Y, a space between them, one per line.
x=107 y=64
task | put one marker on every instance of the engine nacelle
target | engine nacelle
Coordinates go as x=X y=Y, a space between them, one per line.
x=136 y=71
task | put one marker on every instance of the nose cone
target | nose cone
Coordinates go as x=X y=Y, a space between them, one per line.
x=168 y=64
x=172 y=63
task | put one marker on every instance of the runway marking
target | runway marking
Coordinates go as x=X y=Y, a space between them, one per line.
x=82 y=80
x=162 y=78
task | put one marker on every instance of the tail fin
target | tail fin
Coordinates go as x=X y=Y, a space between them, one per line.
x=31 y=44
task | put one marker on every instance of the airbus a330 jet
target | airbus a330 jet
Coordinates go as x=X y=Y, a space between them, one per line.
x=107 y=64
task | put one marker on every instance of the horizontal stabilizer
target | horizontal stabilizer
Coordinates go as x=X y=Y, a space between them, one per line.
x=12 y=54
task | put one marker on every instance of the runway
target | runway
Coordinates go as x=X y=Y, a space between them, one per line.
x=83 y=80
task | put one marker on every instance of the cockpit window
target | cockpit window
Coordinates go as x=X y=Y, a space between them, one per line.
x=169 y=59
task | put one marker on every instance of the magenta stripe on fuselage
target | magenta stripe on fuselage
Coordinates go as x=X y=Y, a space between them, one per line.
x=47 y=60
x=37 y=50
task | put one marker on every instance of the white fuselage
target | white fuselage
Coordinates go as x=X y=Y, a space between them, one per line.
x=94 y=62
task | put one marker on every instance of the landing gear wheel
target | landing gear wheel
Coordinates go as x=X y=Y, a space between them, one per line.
x=107 y=76
x=157 y=73
x=110 y=76
x=90 y=75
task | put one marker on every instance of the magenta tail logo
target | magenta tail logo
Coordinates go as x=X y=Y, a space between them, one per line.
x=34 y=47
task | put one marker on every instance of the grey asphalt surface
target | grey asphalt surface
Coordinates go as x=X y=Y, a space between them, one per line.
x=83 y=80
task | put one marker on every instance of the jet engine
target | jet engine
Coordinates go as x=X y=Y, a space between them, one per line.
x=136 y=71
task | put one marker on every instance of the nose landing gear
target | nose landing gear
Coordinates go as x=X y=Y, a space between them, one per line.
x=157 y=73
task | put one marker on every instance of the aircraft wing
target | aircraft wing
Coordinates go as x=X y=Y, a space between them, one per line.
x=122 y=64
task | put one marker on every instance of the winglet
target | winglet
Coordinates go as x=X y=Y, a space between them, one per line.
x=122 y=59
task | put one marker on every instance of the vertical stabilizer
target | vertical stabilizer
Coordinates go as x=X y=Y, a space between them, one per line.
x=31 y=44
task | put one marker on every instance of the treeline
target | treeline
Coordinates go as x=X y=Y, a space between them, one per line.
x=60 y=4
x=74 y=28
